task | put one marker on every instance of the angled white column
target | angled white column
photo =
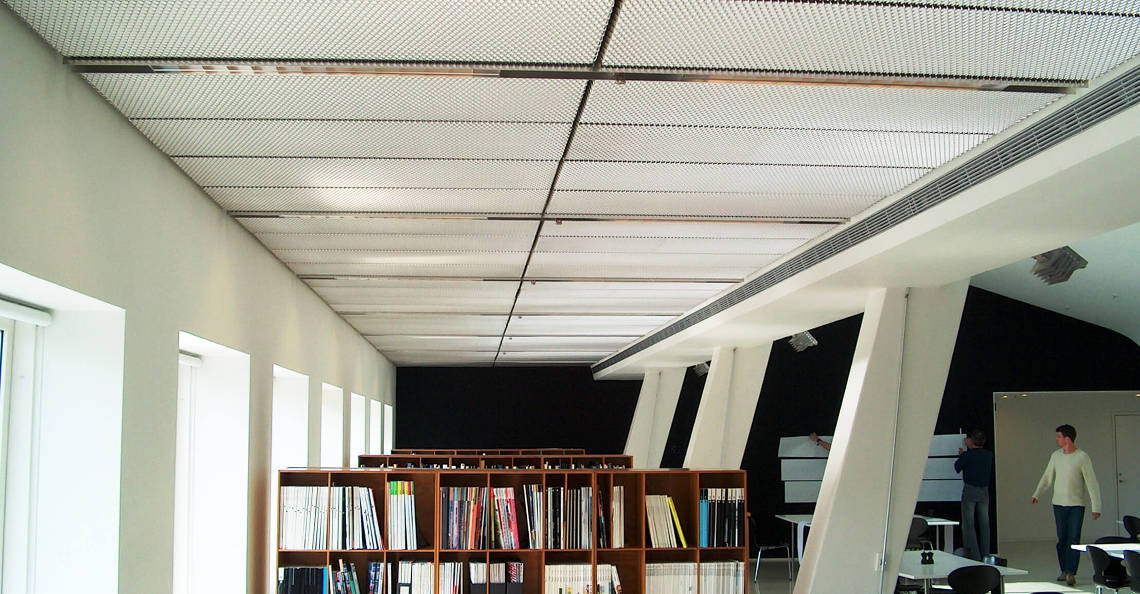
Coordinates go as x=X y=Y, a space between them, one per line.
x=653 y=416
x=882 y=440
x=728 y=404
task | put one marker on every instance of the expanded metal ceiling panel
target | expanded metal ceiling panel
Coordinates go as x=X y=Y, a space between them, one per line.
x=396 y=242
x=771 y=146
x=552 y=357
x=614 y=297
x=363 y=173
x=398 y=30
x=700 y=177
x=408 y=265
x=479 y=344
x=732 y=267
x=410 y=258
x=414 y=98
x=667 y=245
x=687 y=229
x=395 y=295
x=585 y=325
x=566 y=343
x=706 y=204
x=440 y=358
x=307 y=138
x=806 y=106
x=836 y=37
x=433 y=200
x=382 y=225
x=437 y=324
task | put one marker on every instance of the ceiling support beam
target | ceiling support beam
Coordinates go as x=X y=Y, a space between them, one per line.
x=656 y=404
x=728 y=404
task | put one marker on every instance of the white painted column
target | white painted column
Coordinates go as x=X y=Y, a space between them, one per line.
x=653 y=416
x=882 y=439
x=728 y=403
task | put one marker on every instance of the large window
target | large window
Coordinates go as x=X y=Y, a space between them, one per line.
x=332 y=426
x=290 y=443
x=211 y=467
x=375 y=426
x=389 y=433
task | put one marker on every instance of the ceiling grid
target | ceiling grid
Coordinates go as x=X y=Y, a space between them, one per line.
x=521 y=183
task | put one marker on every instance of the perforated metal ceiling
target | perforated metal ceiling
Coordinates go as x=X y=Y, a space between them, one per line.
x=520 y=215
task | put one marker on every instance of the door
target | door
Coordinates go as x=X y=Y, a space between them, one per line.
x=1127 y=465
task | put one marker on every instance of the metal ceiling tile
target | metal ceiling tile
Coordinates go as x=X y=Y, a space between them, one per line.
x=666 y=245
x=385 y=225
x=703 y=205
x=367 y=173
x=416 y=324
x=406 y=265
x=584 y=325
x=568 y=357
x=516 y=344
x=422 y=200
x=834 y=37
x=412 y=98
x=308 y=138
x=468 y=344
x=398 y=30
x=409 y=258
x=732 y=267
x=394 y=295
x=685 y=229
x=809 y=107
x=782 y=146
x=700 y=177
x=397 y=242
x=439 y=358
x=614 y=297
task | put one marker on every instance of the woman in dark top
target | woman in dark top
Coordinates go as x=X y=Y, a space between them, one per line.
x=976 y=464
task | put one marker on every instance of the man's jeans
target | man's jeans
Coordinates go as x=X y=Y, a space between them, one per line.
x=976 y=521
x=1069 y=520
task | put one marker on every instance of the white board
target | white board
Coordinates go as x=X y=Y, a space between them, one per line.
x=811 y=469
x=802 y=447
x=930 y=490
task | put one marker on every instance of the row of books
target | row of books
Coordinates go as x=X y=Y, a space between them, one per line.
x=494 y=466
x=664 y=525
x=402 y=515
x=502 y=577
x=570 y=514
x=304 y=517
x=329 y=580
x=579 y=579
x=355 y=523
x=722 y=517
x=720 y=577
x=617 y=517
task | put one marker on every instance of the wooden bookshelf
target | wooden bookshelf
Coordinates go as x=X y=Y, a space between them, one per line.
x=490 y=451
x=498 y=461
x=682 y=485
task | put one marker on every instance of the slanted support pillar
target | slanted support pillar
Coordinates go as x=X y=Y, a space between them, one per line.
x=882 y=440
x=728 y=404
x=654 y=416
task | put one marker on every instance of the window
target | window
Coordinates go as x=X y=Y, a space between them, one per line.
x=356 y=435
x=332 y=426
x=375 y=425
x=389 y=434
x=290 y=443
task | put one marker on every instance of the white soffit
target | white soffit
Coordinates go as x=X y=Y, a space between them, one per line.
x=420 y=200
x=399 y=30
x=976 y=41
x=388 y=98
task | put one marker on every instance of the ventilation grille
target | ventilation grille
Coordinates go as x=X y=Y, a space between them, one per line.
x=1095 y=107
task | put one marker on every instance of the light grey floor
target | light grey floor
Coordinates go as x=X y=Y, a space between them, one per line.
x=1039 y=558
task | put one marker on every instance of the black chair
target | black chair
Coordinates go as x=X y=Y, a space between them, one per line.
x=1132 y=527
x=1132 y=560
x=760 y=549
x=975 y=579
x=1107 y=574
x=914 y=538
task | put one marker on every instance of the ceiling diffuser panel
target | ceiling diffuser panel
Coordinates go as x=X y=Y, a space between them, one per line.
x=733 y=267
x=686 y=229
x=834 y=37
x=700 y=177
x=805 y=106
x=366 y=173
x=308 y=138
x=412 y=98
x=770 y=146
x=667 y=245
x=395 y=242
x=699 y=204
x=437 y=324
x=585 y=325
x=434 y=200
x=383 y=225
x=400 y=30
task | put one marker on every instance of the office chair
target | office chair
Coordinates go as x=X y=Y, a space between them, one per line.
x=755 y=538
x=975 y=579
x=1104 y=574
x=1132 y=560
x=1132 y=527
x=914 y=540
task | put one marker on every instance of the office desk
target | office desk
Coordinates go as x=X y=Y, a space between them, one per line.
x=1116 y=550
x=801 y=522
x=911 y=567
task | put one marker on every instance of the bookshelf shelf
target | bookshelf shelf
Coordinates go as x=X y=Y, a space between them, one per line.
x=683 y=486
x=568 y=462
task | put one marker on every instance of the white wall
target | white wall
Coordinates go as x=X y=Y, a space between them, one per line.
x=1024 y=438
x=90 y=205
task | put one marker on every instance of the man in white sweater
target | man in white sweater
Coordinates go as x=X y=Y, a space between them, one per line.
x=1069 y=472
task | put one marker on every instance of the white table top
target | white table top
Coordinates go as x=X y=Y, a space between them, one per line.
x=912 y=567
x=1116 y=550
x=805 y=519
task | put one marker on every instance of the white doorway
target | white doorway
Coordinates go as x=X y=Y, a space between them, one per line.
x=1127 y=429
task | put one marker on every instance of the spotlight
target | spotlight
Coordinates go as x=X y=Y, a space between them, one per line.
x=701 y=368
x=801 y=341
x=1056 y=266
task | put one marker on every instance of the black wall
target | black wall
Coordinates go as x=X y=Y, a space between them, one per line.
x=1003 y=345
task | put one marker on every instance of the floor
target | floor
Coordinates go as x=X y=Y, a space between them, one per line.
x=1039 y=558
